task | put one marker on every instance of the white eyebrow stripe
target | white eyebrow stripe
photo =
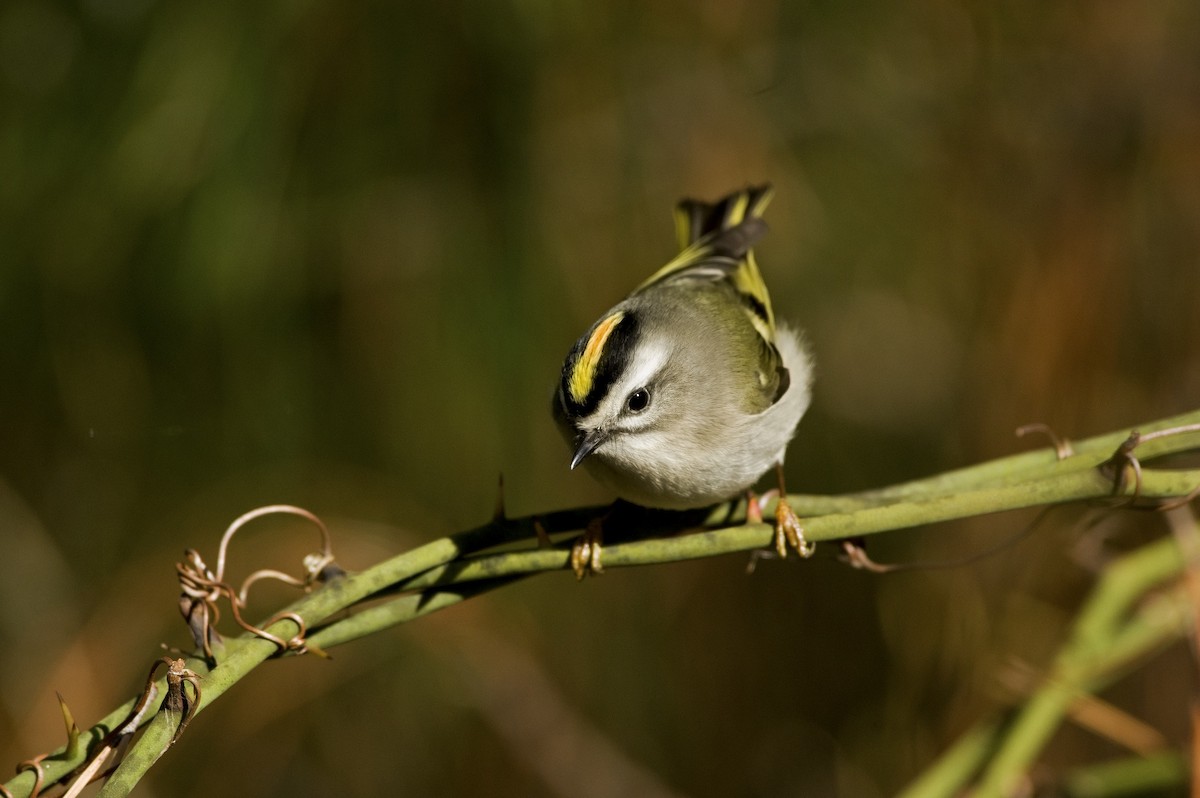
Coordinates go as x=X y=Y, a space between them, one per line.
x=648 y=362
x=651 y=357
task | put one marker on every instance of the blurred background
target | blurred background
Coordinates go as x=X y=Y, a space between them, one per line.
x=333 y=254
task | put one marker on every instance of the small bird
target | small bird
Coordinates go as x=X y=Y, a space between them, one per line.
x=686 y=392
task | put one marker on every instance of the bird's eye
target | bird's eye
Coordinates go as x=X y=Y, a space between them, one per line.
x=638 y=401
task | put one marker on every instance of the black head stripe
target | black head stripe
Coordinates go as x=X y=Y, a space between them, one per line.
x=613 y=359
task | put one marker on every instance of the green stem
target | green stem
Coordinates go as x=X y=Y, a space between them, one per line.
x=958 y=765
x=443 y=568
x=867 y=521
x=1161 y=773
x=1031 y=465
x=1010 y=744
x=153 y=743
x=1099 y=650
x=710 y=543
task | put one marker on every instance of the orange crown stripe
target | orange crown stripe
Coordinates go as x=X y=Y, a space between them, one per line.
x=584 y=373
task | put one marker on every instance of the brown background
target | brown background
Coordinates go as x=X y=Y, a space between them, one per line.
x=333 y=255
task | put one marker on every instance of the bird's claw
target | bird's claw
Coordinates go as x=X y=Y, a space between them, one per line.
x=585 y=553
x=790 y=532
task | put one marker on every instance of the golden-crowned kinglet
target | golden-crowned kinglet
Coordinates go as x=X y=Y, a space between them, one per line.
x=686 y=392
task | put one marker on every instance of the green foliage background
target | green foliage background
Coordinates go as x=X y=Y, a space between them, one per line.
x=332 y=255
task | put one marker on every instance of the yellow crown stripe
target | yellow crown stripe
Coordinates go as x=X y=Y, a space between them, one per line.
x=584 y=373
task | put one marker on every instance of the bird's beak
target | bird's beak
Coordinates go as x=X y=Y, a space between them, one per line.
x=585 y=444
